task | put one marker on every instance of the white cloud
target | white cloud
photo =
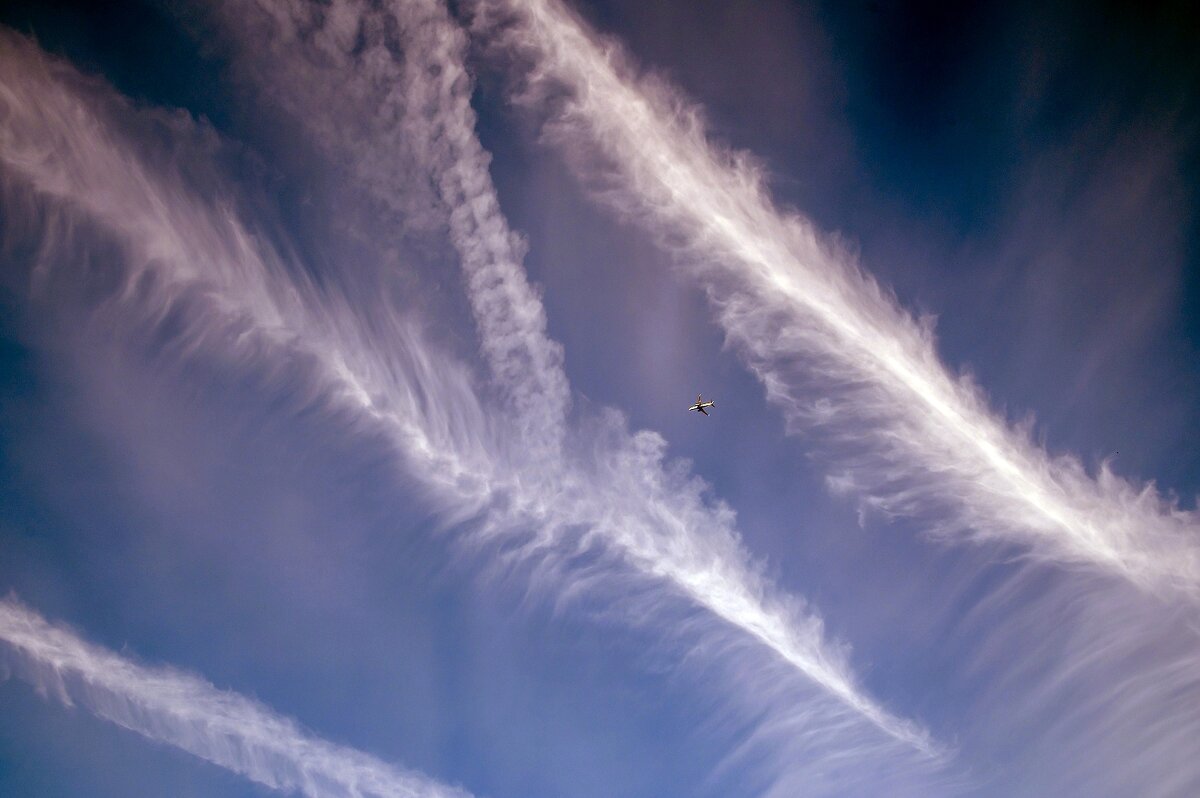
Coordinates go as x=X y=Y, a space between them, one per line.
x=618 y=496
x=660 y=522
x=183 y=710
x=905 y=433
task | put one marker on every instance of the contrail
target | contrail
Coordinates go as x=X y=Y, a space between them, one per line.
x=914 y=438
x=676 y=538
x=59 y=139
x=657 y=519
x=420 y=105
x=183 y=710
x=511 y=319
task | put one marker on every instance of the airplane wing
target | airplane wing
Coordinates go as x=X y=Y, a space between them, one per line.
x=702 y=410
x=699 y=401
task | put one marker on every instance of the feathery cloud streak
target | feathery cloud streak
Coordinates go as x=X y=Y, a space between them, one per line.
x=419 y=105
x=511 y=319
x=911 y=437
x=183 y=710
x=60 y=139
x=659 y=521
x=657 y=518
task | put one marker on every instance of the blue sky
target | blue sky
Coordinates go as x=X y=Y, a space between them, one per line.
x=345 y=357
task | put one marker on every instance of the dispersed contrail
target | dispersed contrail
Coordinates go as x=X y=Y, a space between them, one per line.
x=658 y=519
x=511 y=319
x=833 y=348
x=417 y=105
x=180 y=709
x=660 y=523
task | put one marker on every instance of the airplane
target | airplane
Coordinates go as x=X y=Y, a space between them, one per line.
x=701 y=404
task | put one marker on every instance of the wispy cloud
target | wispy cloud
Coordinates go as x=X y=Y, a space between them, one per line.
x=625 y=497
x=835 y=350
x=1070 y=680
x=617 y=496
x=60 y=141
x=180 y=709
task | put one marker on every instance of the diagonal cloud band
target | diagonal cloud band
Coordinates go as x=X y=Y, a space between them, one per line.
x=183 y=710
x=910 y=437
x=656 y=519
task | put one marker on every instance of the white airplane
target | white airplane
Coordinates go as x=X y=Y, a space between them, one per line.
x=701 y=404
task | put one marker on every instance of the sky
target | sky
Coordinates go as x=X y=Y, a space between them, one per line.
x=345 y=358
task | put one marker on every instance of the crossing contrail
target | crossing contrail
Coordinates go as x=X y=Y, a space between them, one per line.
x=180 y=709
x=657 y=519
x=834 y=349
x=660 y=524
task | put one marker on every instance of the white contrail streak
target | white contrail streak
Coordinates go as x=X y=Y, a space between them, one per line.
x=916 y=439
x=631 y=505
x=420 y=105
x=183 y=710
x=657 y=518
x=512 y=321
x=64 y=147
